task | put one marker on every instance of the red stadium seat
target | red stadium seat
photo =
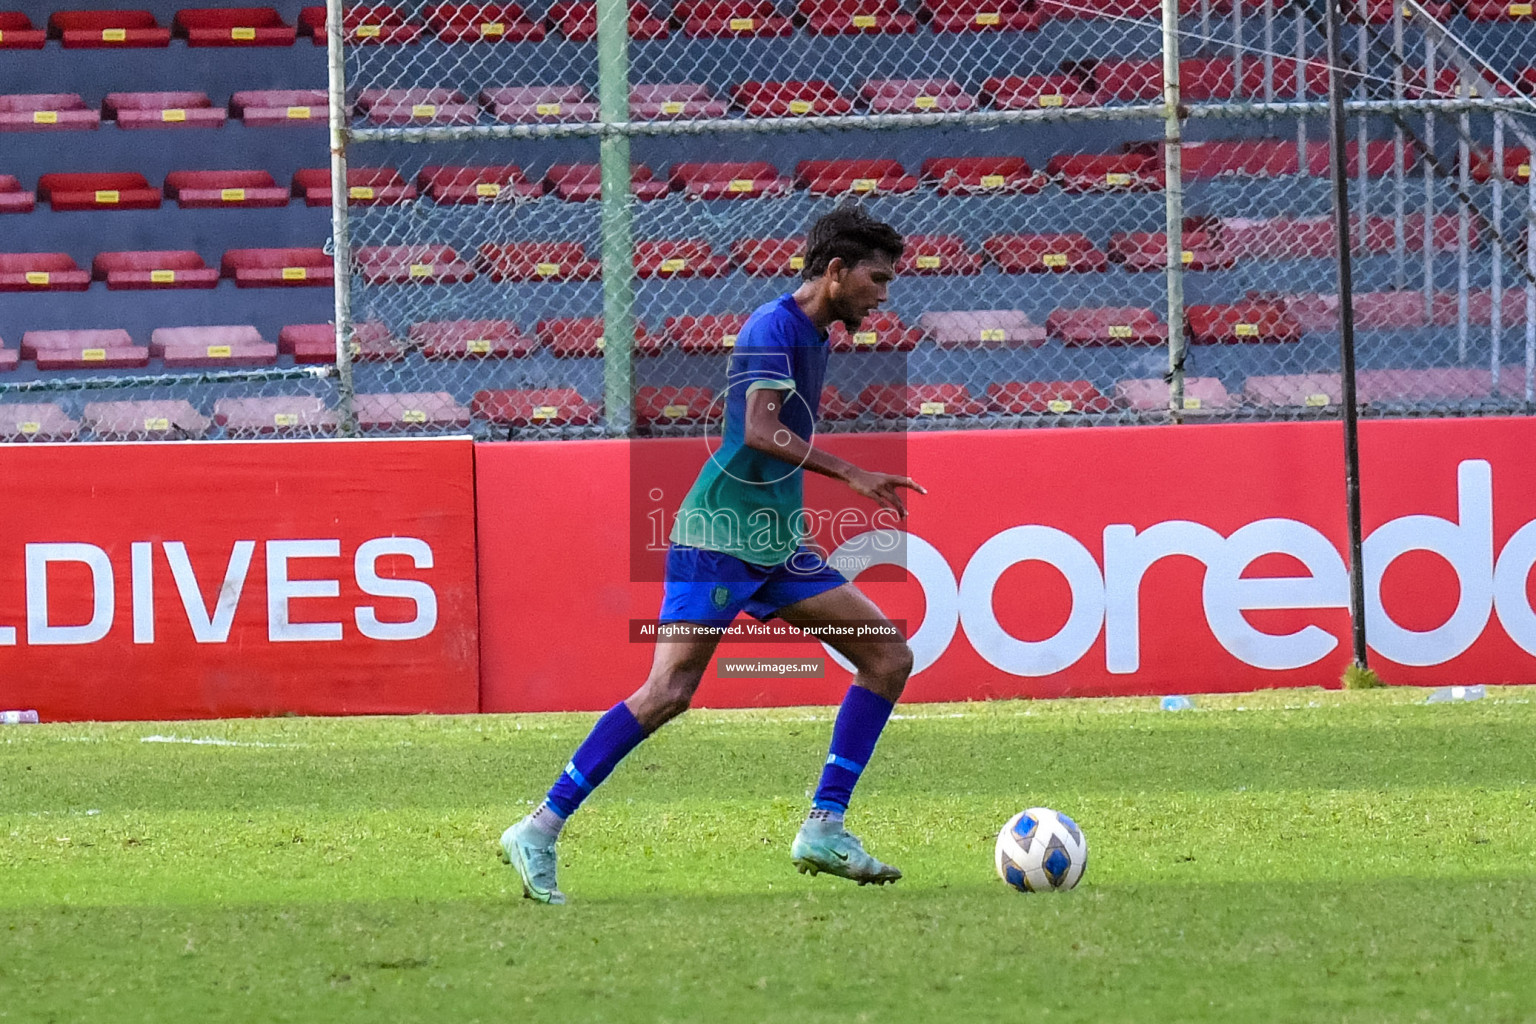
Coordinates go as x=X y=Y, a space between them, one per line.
x=981 y=15
x=769 y=257
x=366 y=186
x=265 y=107
x=1445 y=307
x=790 y=99
x=83 y=350
x=708 y=19
x=233 y=26
x=1293 y=390
x=461 y=339
x=1320 y=312
x=36 y=421
x=1496 y=10
x=419 y=106
x=729 y=180
x=982 y=175
x=1141 y=79
x=1148 y=251
x=18 y=33
x=538 y=261
x=192 y=347
x=47 y=112
x=668 y=404
x=87 y=30
x=105 y=191
x=1380 y=12
x=41 y=272
x=535 y=104
x=1448 y=84
x=881 y=331
x=274 y=416
x=1106 y=325
x=1201 y=395
x=1248 y=158
x=1044 y=254
x=13 y=198
x=915 y=96
x=1031 y=92
x=460 y=185
x=401 y=413
x=580 y=183
x=1517 y=165
x=161 y=419
x=859 y=177
x=278 y=268
x=1277 y=237
x=911 y=401
x=1067 y=10
x=1314 y=77
x=162 y=110
x=9 y=358
x=674 y=102
x=1379 y=158
x=535 y=407
x=1252 y=320
x=181 y=268
x=412 y=264
x=1107 y=172
x=1053 y=396
x=582 y=337
x=482 y=23
x=375 y=25
x=680 y=257
x=855 y=17
x=835 y=406
x=709 y=334
x=372 y=342
x=221 y=189
x=577 y=21
x=982 y=328
x=938 y=254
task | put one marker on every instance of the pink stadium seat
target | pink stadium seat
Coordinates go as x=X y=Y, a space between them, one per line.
x=83 y=350
x=1045 y=254
x=674 y=102
x=667 y=404
x=982 y=175
x=911 y=401
x=401 y=413
x=278 y=268
x=1393 y=310
x=1106 y=325
x=1248 y=158
x=538 y=261
x=1277 y=237
x=412 y=264
x=1031 y=92
x=982 y=328
x=376 y=25
x=729 y=180
x=1296 y=390
x=18 y=33
x=36 y=421
x=1201 y=395
x=274 y=416
x=162 y=110
x=1445 y=305
x=769 y=257
x=836 y=406
x=881 y=331
x=680 y=257
x=1148 y=251
x=372 y=342
x=460 y=185
x=859 y=177
x=104 y=191
x=707 y=19
x=938 y=255
x=266 y=107
x=1379 y=158
x=915 y=96
x=9 y=358
x=47 y=112
x=105 y=29
x=1517 y=165
x=1140 y=79
x=980 y=15
x=1252 y=320
x=1042 y=396
x=790 y=99
x=419 y=106
x=582 y=337
x=855 y=17
x=193 y=347
x=577 y=21
x=580 y=183
x=535 y=407
x=366 y=186
x=471 y=339
x=482 y=23
x=148 y=270
x=223 y=189
x=41 y=272
x=708 y=334
x=233 y=26
x=535 y=104
x=1440 y=383
x=163 y=419
x=13 y=198
x=1106 y=172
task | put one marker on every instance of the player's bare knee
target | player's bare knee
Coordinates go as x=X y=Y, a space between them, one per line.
x=885 y=669
x=669 y=693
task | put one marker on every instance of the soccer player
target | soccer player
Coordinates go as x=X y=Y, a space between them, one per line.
x=738 y=545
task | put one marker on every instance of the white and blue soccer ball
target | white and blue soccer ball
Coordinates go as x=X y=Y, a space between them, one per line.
x=1041 y=850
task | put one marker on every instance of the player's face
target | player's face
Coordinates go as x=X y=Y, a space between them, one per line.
x=859 y=290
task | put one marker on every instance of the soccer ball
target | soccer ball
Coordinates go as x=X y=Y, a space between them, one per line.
x=1041 y=849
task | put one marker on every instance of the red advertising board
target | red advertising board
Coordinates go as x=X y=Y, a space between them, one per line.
x=1053 y=562
x=191 y=580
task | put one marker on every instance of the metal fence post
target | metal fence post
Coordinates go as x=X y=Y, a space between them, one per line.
x=617 y=217
x=1173 y=190
x=341 y=241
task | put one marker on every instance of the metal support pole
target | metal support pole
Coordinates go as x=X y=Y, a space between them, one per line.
x=1173 y=191
x=1530 y=292
x=1303 y=165
x=617 y=218
x=1269 y=51
x=1399 y=176
x=1338 y=171
x=1428 y=234
x=341 y=239
x=1463 y=231
x=1496 y=284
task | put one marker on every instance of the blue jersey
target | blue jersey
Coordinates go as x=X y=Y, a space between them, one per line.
x=746 y=503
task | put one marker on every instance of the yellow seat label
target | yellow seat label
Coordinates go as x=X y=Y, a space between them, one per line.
x=45 y=117
x=487 y=190
x=94 y=355
x=360 y=192
x=478 y=346
x=727 y=341
x=298 y=113
x=546 y=269
x=232 y=195
x=993 y=181
x=740 y=185
x=800 y=106
x=423 y=110
x=545 y=412
x=989 y=18
x=171 y=115
x=797 y=263
x=1054 y=99
x=993 y=334
x=742 y=24
x=1117 y=178
x=157 y=423
x=863 y=21
x=1059 y=405
x=113 y=35
x=285 y=419
x=29 y=426
x=162 y=276
x=421 y=270
x=925 y=102
x=413 y=416
x=865 y=184
x=672 y=412
x=1246 y=330
x=1120 y=331
x=1519 y=10
x=602 y=343
x=546 y=109
x=493 y=28
x=219 y=352
x=673 y=265
x=672 y=107
x=1316 y=401
x=107 y=195
x=369 y=31
x=1054 y=259
x=1187 y=257
x=242 y=32
x=295 y=273
x=1523 y=171
x=1191 y=403
x=931 y=409
x=929 y=262
x=38 y=277
x=865 y=337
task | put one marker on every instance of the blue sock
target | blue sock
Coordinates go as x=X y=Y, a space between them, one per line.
x=614 y=735
x=857 y=729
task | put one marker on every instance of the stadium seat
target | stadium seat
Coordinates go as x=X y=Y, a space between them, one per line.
x=47 y=112
x=790 y=99
x=266 y=107
x=915 y=96
x=1517 y=165
x=1320 y=312
x=460 y=339
x=980 y=15
x=18 y=33
x=405 y=412
x=1148 y=251
x=753 y=180
x=105 y=29
x=162 y=110
x=577 y=21
x=982 y=175
x=41 y=272
x=709 y=19
x=835 y=406
x=482 y=23
x=533 y=407
x=13 y=198
x=36 y=421
x=459 y=185
x=421 y=106
x=372 y=342
x=147 y=270
x=233 y=26
x=1379 y=158
x=366 y=186
x=104 y=191
x=938 y=255
x=221 y=189
x=9 y=358
x=1201 y=79
x=680 y=257
x=1031 y=92
x=161 y=419
x=1448 y=84
x=580 y=183
x=708 y=334
x=412 y=264
x=1496 y=10
x=1314 y=77
x=1293 y=390
x=1053 y=396
x=1044 y=254
x=278 y=268
x=1068 y=10
x=1425 y=384
x=982 y=328
x=83 y=350
x=854 y=17
x=582 y=337
x=375 y=25
x=668 y=404
x=538 y=261
x=769 y=257
x=1106 y=172
x=1380 y=12
x=881 y=331
x=1216 y=158
x=1201 y=395
x=274 y=416
x=857 y=177
x=1445 y=307
x=193 y=347
x=1252 y=320
x=1277 y=237
x=674 y=101
x=911 y=401
x=535 y=104
x=1106 y=325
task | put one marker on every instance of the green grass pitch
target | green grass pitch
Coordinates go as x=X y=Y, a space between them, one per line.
x=1300 y=856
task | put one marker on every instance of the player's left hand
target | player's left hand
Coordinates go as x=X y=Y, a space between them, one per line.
x=883 y=489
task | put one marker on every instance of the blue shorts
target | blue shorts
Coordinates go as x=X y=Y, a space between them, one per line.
x=710 y=588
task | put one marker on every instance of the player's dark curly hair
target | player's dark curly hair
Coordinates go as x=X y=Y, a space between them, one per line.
x=852 y=235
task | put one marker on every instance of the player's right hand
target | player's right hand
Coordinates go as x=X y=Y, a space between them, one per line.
x=883 y=489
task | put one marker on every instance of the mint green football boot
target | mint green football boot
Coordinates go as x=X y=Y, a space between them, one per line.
x=831 y=848
x=532 y=853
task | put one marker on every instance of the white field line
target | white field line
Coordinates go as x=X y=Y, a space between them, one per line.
x=211 y=741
